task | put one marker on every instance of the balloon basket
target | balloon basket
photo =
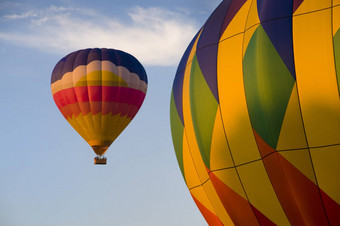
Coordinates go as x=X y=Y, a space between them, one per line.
x=100 y=161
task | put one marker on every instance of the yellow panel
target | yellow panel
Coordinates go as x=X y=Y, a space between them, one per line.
x=109 y=123
x=312 y=5
x=247 y=36
x=237 y=25
x=121 y=126
x=79 y=126
x=193 y=50
x=217 y=204
x=110 y=76
x=292 y=134
x=336 y=2
x=190 y=174
x=86 y=123
x=252 y=23
x=79 y=123
x=327 y=168
x=189 y=128
x=253 y=17
x=97 y=125
x=336 y=18
x=101 y=78
x=302 y=161
x=206 y=194
x=93 y=77
x=113 y=125
x=233 y=101
x=261 y=193
x=219 y=154
x=316 y=77
x=201 y=196
x=231 y=179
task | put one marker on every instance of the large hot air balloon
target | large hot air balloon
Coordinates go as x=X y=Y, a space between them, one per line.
x=99 y=91
x=255 y=113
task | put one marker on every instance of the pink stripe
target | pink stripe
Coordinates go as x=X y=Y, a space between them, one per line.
x=99 y=94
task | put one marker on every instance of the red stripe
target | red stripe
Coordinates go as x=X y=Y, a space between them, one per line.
x=332 y=209
x=239 y=209
x=298 y=195
x=264 y=221
x=296 y=4
x=210 y=217
x=233 y=9
x=99 y=94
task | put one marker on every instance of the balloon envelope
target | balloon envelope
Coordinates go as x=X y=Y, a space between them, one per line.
x=99 y=91
x=255 y=113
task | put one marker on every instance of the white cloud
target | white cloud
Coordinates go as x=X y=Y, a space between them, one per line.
x=155 y=36
x=20 y=16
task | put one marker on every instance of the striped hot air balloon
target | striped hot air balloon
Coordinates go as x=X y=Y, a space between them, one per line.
x=99 y=91
x=255 y=113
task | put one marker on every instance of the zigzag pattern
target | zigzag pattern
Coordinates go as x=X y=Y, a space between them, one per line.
x=255 y=113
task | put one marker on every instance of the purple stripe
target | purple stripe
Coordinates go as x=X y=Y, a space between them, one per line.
x=207 y=46
x=279 y=31
x=234 y=7
x=177 y=87
x=84 y=57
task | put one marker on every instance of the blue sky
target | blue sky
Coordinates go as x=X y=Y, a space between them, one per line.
x=46 y=169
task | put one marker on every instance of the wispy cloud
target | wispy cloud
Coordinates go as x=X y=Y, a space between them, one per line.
x=20 y=16
x=155 y=36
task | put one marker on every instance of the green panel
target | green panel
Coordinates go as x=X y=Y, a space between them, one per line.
x=177 y=129
x=268 y=86
x=203 y=110
x=336 y=41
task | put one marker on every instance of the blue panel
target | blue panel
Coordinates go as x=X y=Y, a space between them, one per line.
x=274 y=9
x=184 y=60
x=94 y=54
x=276 y=19
x=233 y=9
x=83 y=57
x=177 y=90
x=208 y=45
x=177 y=87
x=63 y=66
x=124 y=59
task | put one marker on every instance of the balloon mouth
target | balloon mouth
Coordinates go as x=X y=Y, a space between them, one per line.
x=99 y=149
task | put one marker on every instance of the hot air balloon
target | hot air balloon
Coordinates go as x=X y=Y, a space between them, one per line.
x=255 y=113
x=99 y=91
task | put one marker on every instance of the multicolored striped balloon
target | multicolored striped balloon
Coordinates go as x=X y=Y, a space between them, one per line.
x=255 y=113
x=99 y=91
